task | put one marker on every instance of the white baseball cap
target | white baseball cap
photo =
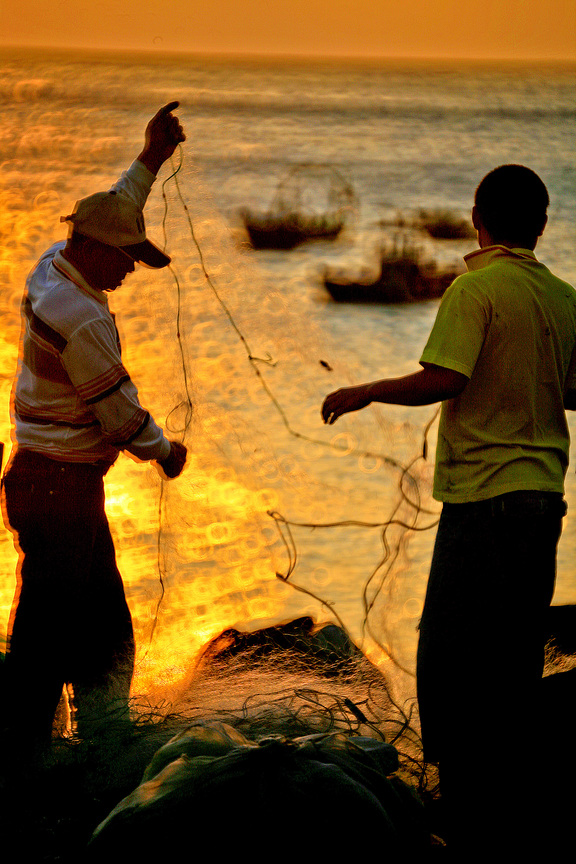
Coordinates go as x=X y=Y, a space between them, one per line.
x=116 y=220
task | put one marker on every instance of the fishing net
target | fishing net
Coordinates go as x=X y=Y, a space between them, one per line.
x=276 y=519
x=270 y=518
x=214 y=774
x=276 y=516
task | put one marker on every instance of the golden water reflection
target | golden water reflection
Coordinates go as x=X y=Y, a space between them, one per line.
x=200 y=554
x=189 y=576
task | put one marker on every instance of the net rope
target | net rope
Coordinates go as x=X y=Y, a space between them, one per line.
x=207 y=261
x=276 y=515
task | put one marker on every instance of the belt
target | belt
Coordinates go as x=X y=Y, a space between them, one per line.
x=525 y=501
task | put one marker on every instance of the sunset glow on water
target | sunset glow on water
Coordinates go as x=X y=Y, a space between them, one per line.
x=259 y=345
x=201 y=554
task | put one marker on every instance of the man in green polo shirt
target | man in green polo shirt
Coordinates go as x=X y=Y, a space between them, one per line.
x=500 y=358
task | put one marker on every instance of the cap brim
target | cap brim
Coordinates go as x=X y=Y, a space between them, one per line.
x=148 y=254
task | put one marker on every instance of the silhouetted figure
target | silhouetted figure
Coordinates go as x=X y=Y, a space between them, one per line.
x=74 y=409
x=501 y=359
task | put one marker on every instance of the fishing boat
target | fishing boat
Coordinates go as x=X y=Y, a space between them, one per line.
x=287 y=230
x=444 y=225
x=403 y=277
x=313 y=202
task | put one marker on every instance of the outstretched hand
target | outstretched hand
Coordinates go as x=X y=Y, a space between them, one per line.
x=343 y=401
x=163 y=134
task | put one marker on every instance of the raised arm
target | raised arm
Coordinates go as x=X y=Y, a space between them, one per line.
x=163 y=134
x=428 y=385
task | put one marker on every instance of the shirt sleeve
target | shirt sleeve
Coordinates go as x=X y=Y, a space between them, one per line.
x=459 y=330
x=93 y=363
x=135 y=183
x=112 y=395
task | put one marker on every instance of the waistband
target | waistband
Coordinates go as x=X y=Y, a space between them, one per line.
x=23 y=459
x=526 y=501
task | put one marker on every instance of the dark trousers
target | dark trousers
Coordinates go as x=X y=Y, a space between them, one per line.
x=480 y=662
x=70 y=622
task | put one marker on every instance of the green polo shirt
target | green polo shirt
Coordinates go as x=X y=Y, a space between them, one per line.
x=509 y=325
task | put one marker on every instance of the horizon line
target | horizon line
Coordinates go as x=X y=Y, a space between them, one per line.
x=161 y=52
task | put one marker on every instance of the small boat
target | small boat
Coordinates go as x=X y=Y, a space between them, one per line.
x=285 y=231
x=445 y=225
x=403 y=278
x=312 y=202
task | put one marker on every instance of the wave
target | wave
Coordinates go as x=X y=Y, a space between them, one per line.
x=49 y=90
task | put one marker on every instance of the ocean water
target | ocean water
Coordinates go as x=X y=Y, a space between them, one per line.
x=252 y=340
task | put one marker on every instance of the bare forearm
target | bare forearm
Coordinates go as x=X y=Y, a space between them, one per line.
x=152 y=161
x=415 y=389
x=428 y=385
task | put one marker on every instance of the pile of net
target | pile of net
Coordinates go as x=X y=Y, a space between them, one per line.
x=214 y=789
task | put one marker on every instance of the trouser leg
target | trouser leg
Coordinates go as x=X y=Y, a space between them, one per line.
x=480 y=660
x=70 y=618
x=50 y=555
x=102 y=664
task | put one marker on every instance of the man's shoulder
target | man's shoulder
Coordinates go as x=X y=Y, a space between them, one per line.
x=471 y=289
x=530 y=278
x=61 y=301
x=45 y=259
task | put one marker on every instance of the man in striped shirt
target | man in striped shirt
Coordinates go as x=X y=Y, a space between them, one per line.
x=74 y=408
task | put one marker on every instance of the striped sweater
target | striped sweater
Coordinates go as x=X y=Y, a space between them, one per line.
x=74 y=400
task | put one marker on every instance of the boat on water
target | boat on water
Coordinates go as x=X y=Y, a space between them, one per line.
x=312 y=202
x=403 y=277
x=285 y=231
x=443 y=224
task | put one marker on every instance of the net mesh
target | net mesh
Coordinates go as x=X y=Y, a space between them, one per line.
x=276 y=516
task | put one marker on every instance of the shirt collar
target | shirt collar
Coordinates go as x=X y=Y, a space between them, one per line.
x=482 y=257
x=70 y=272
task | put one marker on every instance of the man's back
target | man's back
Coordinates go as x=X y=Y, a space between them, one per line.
x=510 y=326
x=501 y=360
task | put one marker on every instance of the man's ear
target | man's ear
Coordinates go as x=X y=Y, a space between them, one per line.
x=476 y=218
x=545 y=222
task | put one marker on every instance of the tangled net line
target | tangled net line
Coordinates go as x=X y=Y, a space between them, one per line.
x=343 y=711
x=382 y=570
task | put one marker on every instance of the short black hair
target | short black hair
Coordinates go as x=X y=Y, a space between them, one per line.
x=512 y=201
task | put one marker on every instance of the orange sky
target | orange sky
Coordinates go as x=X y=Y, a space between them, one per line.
x=445 y=28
